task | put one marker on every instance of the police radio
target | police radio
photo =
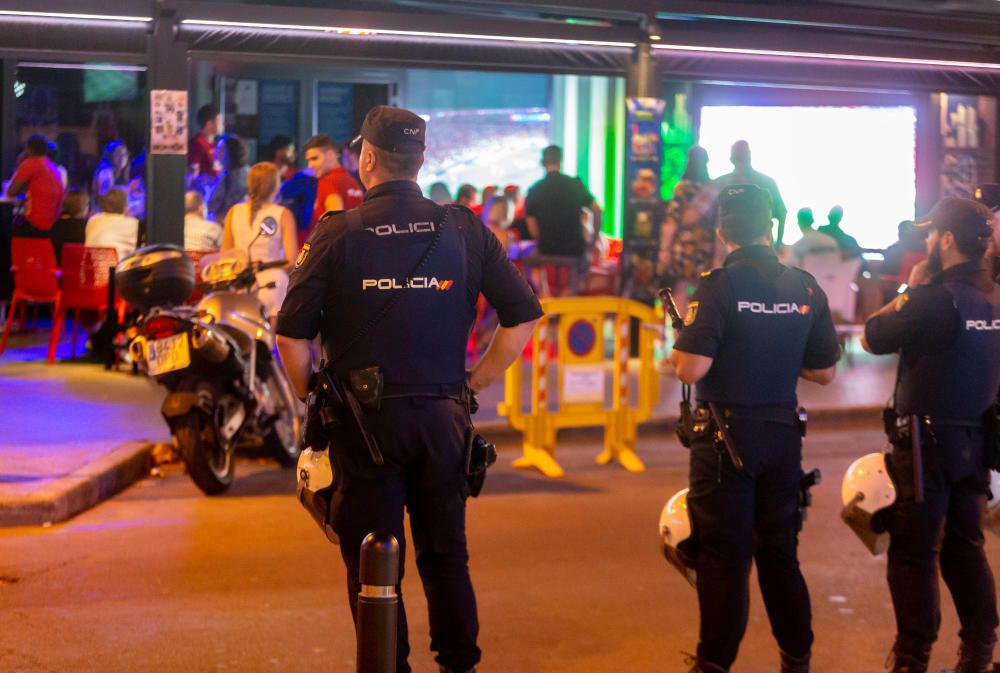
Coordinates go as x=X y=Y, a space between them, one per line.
x=685 y=423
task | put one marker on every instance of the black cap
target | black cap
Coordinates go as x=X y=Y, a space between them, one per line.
x=988 y=195
x=393 y=129
x=744 y=200
x=744 y=213
x=965 y=218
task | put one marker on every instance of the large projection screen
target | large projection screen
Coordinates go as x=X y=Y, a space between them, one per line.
x=861 y=158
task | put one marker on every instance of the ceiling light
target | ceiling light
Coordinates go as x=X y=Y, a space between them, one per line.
x=405 y=33
x=890 y=60
x=67 y=15
x=81 y=66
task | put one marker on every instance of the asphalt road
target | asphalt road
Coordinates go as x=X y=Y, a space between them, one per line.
x=568 y=573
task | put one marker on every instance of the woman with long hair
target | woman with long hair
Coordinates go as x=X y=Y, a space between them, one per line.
x=231 y=185
x=243 y=223
x=112 y=172
x=687 y=235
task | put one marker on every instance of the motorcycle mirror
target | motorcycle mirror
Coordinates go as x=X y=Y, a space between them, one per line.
x=268 y=226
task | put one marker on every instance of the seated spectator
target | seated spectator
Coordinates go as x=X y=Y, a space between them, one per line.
x=39 y=178
x=230 y=187
x=282 y=154
x=498 y=214
x=911 y=240
x=849 y=248
x=488 y=192
x=299 y=196
x=812 y=241
x=199 y=233
x=71 y=227
x=349 y=160
x=520 y=223
x=113 y=171
x=111 y=227
x=439 y=194
x=466 y=196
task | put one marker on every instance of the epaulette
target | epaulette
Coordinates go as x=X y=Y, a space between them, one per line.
x=712 y=272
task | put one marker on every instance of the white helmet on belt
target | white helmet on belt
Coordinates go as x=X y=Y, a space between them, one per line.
x=315 y=486
x=675 y=528
x=866 y=491
x=993 y=508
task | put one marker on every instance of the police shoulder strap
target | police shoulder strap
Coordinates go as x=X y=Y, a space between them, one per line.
x=354 y=222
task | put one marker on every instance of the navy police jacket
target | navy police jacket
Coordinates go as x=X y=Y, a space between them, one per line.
x=346 y=274
x=948 y=336
x=762 y=323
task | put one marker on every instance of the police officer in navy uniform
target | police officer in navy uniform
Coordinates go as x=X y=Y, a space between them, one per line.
x=345 y=277
x=753 y=327
x=989 y=195
x=947 y=333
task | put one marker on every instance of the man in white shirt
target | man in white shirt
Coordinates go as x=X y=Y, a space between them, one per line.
x=199 y=233
x=111 y=227
x=812 y=241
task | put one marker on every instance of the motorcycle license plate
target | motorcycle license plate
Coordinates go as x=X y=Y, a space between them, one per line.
x=167 y=355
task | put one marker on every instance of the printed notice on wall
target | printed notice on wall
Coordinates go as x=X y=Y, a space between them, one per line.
x=168 y=121
x=583 y=384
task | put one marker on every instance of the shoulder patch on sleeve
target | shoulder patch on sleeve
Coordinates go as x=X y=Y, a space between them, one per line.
x=901 y=301
x=302 y=255
x=692 y=314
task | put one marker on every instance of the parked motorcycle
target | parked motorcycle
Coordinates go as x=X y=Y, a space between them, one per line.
x=227 y=388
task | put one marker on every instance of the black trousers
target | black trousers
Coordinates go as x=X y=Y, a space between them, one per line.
x=946 y=531
x=423 y=442
x=742 y=516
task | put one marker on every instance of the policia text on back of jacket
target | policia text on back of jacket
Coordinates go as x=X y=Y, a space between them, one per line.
x=393 y=285
x=946 y=329
x=753 y=327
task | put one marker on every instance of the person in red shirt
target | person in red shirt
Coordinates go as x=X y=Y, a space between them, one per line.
x=202 y=162
x=40 y=178
x=336 y=189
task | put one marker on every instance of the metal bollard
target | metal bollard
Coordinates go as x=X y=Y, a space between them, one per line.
x=378 y=604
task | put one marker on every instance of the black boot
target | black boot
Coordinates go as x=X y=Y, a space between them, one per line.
x=975 y=658
x=790 y=664
x=702 y=666
x=909 y=660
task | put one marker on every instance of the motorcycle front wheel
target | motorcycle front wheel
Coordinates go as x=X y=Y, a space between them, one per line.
x=210 y=466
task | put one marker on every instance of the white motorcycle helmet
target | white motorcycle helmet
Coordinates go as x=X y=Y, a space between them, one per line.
x=993 y=507
x=675 y=528
x=315 y=487
x=866 y=491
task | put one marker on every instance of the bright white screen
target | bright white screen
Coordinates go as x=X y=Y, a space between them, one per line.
x=861 y=158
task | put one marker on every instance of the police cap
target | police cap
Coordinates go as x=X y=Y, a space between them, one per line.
x=988 y=195
x=744 y=213
x=394 y=130
x=964 y=218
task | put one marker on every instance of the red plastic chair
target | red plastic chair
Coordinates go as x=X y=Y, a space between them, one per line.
x=36 y=280
x=85 y=282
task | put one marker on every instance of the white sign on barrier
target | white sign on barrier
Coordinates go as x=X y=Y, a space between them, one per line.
x=583 y=383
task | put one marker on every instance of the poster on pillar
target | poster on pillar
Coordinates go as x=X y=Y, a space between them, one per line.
x=644 y=207
x=968 y=137
x=168 y=121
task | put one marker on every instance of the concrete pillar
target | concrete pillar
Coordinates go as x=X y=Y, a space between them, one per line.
x=168 y=69
x=8 y=115
x=642 y=78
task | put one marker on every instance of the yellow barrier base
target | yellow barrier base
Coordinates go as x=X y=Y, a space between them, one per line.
x=542 y=460
x=625 y=456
